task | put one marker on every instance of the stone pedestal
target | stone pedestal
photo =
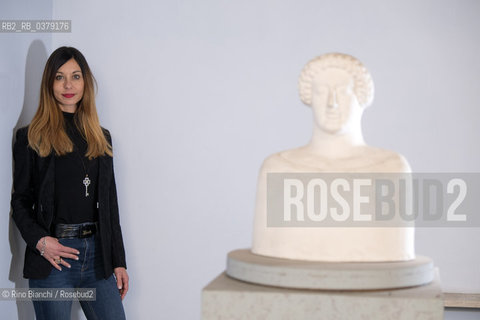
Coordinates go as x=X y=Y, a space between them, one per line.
x=230 y=299
x=243 y=265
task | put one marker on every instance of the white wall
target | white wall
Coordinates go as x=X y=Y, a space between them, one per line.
x=198 y=93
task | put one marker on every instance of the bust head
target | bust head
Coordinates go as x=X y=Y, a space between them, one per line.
x=363 y=84
x=338 y=87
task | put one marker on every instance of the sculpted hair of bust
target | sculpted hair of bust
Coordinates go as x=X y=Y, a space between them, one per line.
x=363 y=84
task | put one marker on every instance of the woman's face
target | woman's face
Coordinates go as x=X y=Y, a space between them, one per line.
x=68 y=86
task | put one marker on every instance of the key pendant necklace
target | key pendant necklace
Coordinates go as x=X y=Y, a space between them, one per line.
x=86 y=183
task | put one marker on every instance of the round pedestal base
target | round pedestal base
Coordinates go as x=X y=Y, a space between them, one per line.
x=246 y=266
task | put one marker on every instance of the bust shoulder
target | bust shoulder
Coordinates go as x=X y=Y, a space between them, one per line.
x=391 y=161
x=360 y=159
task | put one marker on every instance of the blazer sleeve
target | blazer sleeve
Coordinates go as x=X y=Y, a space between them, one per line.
x=23 y=196
x=118 y=249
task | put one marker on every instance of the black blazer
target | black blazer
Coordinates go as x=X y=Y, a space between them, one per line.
x=33 y=207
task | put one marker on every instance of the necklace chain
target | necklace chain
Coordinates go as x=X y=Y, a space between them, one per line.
x=86 y=181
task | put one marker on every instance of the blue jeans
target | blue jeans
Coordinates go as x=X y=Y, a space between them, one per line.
x=86 y=272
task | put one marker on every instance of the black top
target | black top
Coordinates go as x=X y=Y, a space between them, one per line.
x=71 y=203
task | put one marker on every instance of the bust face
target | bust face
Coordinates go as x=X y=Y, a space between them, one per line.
x=334 y=102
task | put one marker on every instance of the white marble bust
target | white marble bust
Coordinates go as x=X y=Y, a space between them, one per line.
x=338 y=88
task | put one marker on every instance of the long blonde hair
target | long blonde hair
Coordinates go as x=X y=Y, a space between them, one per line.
x=46 y=132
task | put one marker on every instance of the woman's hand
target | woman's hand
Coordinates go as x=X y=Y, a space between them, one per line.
x=54 y=251
x=122 y=280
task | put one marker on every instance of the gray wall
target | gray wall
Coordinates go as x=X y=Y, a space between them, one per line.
x=197 y=94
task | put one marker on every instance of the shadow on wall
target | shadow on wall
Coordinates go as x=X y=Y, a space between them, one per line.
x=36 y=58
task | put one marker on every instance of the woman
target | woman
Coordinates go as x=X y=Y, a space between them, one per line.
x=64 y=200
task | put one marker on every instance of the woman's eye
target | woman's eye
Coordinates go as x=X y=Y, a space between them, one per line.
x=76 y=76
x=58 y=77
